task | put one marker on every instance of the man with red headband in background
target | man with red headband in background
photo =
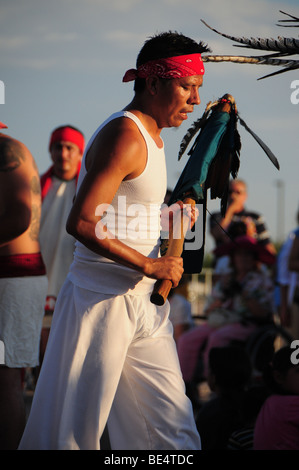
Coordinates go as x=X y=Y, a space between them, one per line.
x=111 y=356
x=23 y=282
x=58 y=185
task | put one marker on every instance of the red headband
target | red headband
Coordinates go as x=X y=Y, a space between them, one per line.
x=3 y=126
x=172 y=67
x=68 y=135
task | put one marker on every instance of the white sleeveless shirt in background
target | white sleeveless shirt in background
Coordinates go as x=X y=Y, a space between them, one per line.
x=133 y=216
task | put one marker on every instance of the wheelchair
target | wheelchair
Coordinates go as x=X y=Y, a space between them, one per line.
x=263 y=342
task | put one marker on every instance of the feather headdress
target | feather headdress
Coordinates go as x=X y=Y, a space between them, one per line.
x=280 y=47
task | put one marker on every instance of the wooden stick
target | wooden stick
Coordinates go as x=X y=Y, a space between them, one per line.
x=177 y=234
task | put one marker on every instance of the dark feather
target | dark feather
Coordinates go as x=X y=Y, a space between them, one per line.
x=196 y=126
x=258 y=60
x=266 y=149
x=281 y=46
x=287 y=69
x=226 y=162
x=293 y=20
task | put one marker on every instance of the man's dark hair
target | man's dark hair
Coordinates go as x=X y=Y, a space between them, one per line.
x=164 y=45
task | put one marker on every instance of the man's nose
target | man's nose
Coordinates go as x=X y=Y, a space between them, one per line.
x=195 y=98
x=64 y=150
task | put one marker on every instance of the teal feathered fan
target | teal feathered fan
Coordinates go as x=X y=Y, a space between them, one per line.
x=214 y=157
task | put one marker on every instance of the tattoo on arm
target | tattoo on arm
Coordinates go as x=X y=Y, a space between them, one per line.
x=34 y=165
x=11 y=157
x=35 y=185
x=35 y=222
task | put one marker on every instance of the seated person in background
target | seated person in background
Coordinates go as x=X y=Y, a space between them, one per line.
x=240 y=305
x=229 y=373
x=277 y=425
x=180 y=313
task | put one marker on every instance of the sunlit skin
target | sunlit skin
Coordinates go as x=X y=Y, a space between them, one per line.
x=20 y=203
x=166 y=103
x=237 y=195
x=20 y=208
x=178 y=98
x=236 y=203
x=119 y=153
x=66 y=157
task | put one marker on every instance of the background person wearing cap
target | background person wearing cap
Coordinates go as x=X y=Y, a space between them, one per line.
x=58 y=185
x=23 y=282
x=111 y=356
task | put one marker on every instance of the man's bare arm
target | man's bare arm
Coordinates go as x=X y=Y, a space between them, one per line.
x=118 y=155
x=15 y=192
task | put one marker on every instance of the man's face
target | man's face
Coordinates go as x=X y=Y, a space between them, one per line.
x=66 y=157
x=176 y=98
x=237 y=193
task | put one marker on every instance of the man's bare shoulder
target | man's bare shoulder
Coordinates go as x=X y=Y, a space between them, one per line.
x=119 y=140
x=120 y=130
x=13 y=154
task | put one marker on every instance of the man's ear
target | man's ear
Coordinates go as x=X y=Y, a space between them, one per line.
x=152 y=84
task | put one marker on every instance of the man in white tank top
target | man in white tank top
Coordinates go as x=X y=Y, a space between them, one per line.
x=111 y=358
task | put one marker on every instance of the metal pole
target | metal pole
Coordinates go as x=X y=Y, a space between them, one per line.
x=280 y=211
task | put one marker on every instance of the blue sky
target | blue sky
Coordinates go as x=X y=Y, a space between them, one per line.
x=63 y=61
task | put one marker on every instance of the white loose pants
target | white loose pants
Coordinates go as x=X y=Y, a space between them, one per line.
x=110 y=358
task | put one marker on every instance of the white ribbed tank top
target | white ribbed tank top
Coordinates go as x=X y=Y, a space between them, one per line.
x=133 y=216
